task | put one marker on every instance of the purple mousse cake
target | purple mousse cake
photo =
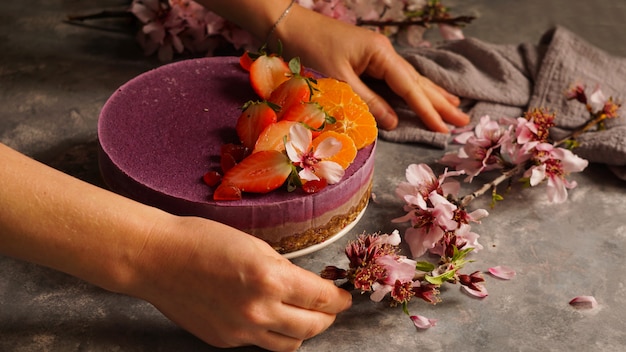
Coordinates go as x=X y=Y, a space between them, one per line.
x=163 y=130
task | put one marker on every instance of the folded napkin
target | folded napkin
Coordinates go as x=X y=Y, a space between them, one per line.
x=506 y=80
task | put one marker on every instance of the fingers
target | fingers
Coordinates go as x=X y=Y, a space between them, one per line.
x=385 y=116
x=431 y=103
x=314 y=293
x=446 y=104
x=309 y=306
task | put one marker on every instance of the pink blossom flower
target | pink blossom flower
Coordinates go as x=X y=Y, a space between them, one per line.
x=336 y=9
x=460 y=238
x=398 y=268
x=478 y=153
x=428 y=224
x=597 y=100
x=421 y=181
x=555 y=164
x=300 y=151
x=161 y=27
x=577 y=92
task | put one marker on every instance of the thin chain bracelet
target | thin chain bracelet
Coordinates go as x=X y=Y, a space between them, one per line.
x=282 y=16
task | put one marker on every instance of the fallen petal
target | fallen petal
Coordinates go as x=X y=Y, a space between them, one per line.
x=422 y=322
x=502 y=272
x=476 y=293
x=584 y=302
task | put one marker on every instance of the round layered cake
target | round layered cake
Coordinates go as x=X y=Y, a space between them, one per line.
x=163 y=130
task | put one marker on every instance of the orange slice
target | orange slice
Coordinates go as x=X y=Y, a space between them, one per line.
x=350 y=111
x=348 y=149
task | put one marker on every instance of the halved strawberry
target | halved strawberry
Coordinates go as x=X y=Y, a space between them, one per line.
x=266 y=73
x=260 y=172
x=312 y=114
x=295 y=90
x=274 y=136
x=255 y=117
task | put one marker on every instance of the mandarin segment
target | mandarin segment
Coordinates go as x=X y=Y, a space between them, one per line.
x=348 y=151
x=350 y=111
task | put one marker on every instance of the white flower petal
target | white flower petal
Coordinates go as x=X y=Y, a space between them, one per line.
x=300 y=138
x=418 y=174
x=327 y=148
x=330 y=171
x=308 y=175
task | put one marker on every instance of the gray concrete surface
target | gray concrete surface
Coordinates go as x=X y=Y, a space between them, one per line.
x=54 y=78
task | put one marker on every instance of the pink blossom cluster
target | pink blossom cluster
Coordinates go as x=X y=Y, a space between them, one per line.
x=172 y=27
x=521 y=144
x=438 y=225
x=376 y=267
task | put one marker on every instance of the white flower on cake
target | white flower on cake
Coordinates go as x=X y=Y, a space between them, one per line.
x=301 y=152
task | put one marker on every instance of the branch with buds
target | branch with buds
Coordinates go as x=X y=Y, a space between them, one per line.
x=440 y=223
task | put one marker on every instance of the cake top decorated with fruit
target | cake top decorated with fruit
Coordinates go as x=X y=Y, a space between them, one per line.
x=304 y=130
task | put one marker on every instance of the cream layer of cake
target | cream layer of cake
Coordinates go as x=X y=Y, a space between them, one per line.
x=160 y=132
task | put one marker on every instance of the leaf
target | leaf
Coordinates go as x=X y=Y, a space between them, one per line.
x=425 y=266
x=439 y=280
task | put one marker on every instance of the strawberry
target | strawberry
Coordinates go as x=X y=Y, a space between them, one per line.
x=256 y=115
x=246 y=60
x=212 y=178
x=266 y=73
x=227 y=162
x=274 y=136
x=312 y=114
x=293 y=91
x=227 y=192
x=260 y=172
x=314 y=186
x=237 y=151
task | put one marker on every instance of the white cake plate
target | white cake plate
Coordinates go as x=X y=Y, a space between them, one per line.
x=329 y=241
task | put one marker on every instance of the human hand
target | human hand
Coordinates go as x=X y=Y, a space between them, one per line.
x=345 y=52
x=231 y=289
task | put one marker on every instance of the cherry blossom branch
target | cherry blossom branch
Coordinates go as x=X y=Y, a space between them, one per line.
x=492 y=185
x=586 y=127
x=453 y=21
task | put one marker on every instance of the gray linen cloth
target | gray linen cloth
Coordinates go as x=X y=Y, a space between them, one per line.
x=506 y=80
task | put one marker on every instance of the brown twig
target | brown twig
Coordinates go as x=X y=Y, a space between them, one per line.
x=491 y=185
x=450 y=20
